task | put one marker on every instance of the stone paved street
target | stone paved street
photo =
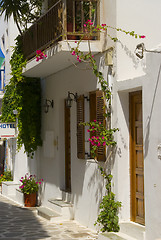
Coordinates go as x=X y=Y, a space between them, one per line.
x=21 y=223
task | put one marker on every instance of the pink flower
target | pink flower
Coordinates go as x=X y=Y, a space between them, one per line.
x=79 y=60
x=37 y=59
x=88 y=130
x=104 y=143
x=99 y=144
x=36 y=182
x=99 y=122
x=73 y=53
x=103 y=138
x=85 y=25
x=39 y=182
x=93 y=127
x=42 y=179
x=93 y=131
x=38 y=52
x=91 y=23
x=89 y=139
x=75 y=41
x=92 y=56
x=142 y=36
x=103 y=25
x=97 y=137
x=94 y=120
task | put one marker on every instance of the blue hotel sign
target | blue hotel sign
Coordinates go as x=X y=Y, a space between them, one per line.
x=7 y=130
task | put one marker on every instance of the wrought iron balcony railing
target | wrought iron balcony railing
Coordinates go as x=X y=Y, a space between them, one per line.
x=65 y=19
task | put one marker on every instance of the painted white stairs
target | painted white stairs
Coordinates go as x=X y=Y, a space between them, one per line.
x=128 y=231
x=57 y=210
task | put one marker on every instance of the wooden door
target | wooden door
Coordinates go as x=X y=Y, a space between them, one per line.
x=136 y=158
x=67 y=149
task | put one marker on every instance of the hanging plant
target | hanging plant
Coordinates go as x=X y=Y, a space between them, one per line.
x=24 y=95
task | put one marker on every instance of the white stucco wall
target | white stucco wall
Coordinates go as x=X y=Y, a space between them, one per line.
x=132 y=74
x=129 y=74
x=152 y=138
x=86 y=181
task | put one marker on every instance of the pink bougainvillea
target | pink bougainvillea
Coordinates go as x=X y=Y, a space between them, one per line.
x=40 y=55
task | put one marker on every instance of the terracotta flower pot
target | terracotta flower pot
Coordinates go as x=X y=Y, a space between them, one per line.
x=30 y=199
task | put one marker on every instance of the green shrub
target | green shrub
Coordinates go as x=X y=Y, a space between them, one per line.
x=6 y=176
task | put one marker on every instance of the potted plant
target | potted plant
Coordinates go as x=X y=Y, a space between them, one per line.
x=30 y=186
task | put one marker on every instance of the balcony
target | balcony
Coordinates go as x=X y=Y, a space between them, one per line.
x=60 y=21
x=61 y=24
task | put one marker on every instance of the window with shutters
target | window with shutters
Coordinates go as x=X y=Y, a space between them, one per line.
x=97 y=104
x=80 y=128
x=96 y=112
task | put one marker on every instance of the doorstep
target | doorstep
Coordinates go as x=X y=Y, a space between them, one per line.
x=128 y=231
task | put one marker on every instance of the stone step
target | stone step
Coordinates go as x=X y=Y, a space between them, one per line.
x=49 y=214
x=133 y=229
x=9 y=188
x=128 y=231
x=62 y=207
x=66 y=196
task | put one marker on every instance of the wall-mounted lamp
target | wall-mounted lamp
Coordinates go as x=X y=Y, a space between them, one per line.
x=140 y=49
x=69 y=99
x=48 y=103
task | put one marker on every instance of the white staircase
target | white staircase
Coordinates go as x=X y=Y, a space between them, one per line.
x=58 y=209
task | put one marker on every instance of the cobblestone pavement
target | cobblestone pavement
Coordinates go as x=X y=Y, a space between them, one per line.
x=21 y=223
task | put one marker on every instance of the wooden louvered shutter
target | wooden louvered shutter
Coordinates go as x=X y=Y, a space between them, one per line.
x=67 y=148
x=101 y=151
x=80 y=128
x=97 y=112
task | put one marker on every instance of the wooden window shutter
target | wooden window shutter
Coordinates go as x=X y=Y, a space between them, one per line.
x=97 y=111
x=67 y=148
x=80 y=128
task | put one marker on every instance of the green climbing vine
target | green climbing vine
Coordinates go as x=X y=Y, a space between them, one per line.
x=24 y=95
x=108 y=216
x=102 y=135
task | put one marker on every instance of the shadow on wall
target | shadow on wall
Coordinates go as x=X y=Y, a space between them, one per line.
x=124 y=101
x=135 y=60
x=147 y=130
x=19 y=223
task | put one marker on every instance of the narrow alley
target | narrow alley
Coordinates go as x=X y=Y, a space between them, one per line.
x=22 y=223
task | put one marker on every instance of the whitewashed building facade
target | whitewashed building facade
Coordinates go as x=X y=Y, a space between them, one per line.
x=135 y=85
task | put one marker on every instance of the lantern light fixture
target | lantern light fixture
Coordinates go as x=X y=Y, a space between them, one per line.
x=48 y=103
x=71 y=97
